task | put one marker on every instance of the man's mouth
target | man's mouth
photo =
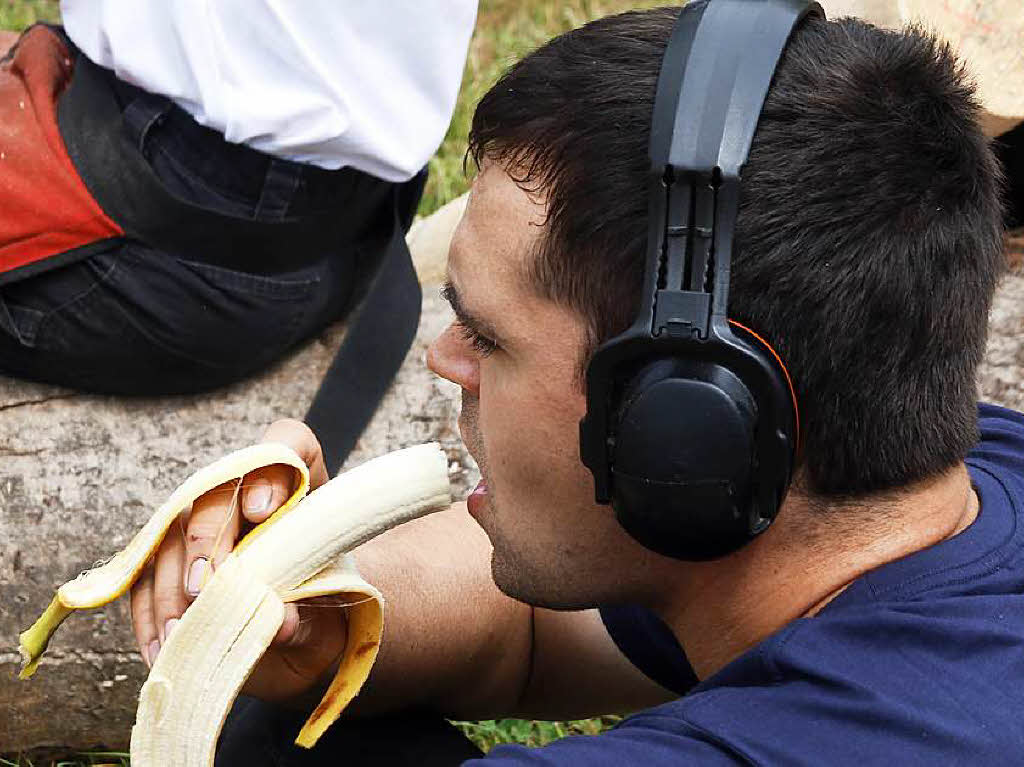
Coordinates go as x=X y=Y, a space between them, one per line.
x=476 y=500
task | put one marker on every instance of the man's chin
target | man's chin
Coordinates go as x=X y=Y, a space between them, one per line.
x=546 y=591
x=509 y=577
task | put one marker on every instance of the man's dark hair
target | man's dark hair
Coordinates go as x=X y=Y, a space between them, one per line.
x=869 y=239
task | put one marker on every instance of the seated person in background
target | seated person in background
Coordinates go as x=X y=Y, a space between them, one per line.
x=183 y=198
x=878 y=620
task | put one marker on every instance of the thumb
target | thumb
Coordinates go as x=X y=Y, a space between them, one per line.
x=308 y=645
x=265 y=490
x=319 y=624
x=293 y=632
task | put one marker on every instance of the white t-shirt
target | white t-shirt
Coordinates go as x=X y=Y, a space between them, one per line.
x=369 y=84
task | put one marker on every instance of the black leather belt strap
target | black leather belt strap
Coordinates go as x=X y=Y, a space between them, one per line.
x=378 y=338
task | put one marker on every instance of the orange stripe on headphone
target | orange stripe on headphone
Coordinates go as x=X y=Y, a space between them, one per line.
x=789 y=381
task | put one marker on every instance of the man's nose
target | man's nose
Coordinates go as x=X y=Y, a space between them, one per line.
x=451 y=356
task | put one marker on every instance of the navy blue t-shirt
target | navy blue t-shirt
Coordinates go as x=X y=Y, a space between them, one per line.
x=919 y=662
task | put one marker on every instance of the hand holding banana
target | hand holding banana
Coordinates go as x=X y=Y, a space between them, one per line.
x=310 y=639
x=295 y=554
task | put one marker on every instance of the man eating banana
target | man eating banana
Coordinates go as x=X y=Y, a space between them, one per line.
x=785 y=532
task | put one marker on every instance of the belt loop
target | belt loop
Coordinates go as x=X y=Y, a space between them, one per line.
x=279 y=185
x=144 y=112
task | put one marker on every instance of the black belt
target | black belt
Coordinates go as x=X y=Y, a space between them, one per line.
x=378 y=338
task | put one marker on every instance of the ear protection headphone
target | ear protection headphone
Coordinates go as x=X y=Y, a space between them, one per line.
x=692 y=421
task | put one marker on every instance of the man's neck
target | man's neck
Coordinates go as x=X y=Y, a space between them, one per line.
x=807 y=558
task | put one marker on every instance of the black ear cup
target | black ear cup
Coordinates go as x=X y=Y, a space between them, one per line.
x=692 y=425
x=684 y=451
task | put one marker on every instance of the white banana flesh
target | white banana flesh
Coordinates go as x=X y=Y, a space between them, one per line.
x=298 y=553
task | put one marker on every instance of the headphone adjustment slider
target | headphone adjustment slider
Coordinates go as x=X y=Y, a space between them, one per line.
x=682 y=314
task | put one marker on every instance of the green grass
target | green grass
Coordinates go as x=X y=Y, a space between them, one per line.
x=493 y=732
x=18 y=14
x=505 y=31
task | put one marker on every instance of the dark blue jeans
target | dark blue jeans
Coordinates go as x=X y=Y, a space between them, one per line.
x=136 y=319
x=257 y=734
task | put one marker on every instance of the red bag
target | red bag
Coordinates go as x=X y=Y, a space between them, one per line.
x=46 y=211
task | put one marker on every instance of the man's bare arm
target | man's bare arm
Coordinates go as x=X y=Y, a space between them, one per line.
x=578 y=671
x=454 y=643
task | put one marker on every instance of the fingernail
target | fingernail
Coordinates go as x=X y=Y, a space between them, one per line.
x=169 y=626
x=195 y=576
x=151 y=652
x=257 y=499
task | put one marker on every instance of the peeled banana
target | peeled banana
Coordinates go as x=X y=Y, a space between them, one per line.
x=299 y=552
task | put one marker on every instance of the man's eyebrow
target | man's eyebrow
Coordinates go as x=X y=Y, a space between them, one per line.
x=465 y=317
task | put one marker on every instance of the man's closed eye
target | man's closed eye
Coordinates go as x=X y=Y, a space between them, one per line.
x=484 y=345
